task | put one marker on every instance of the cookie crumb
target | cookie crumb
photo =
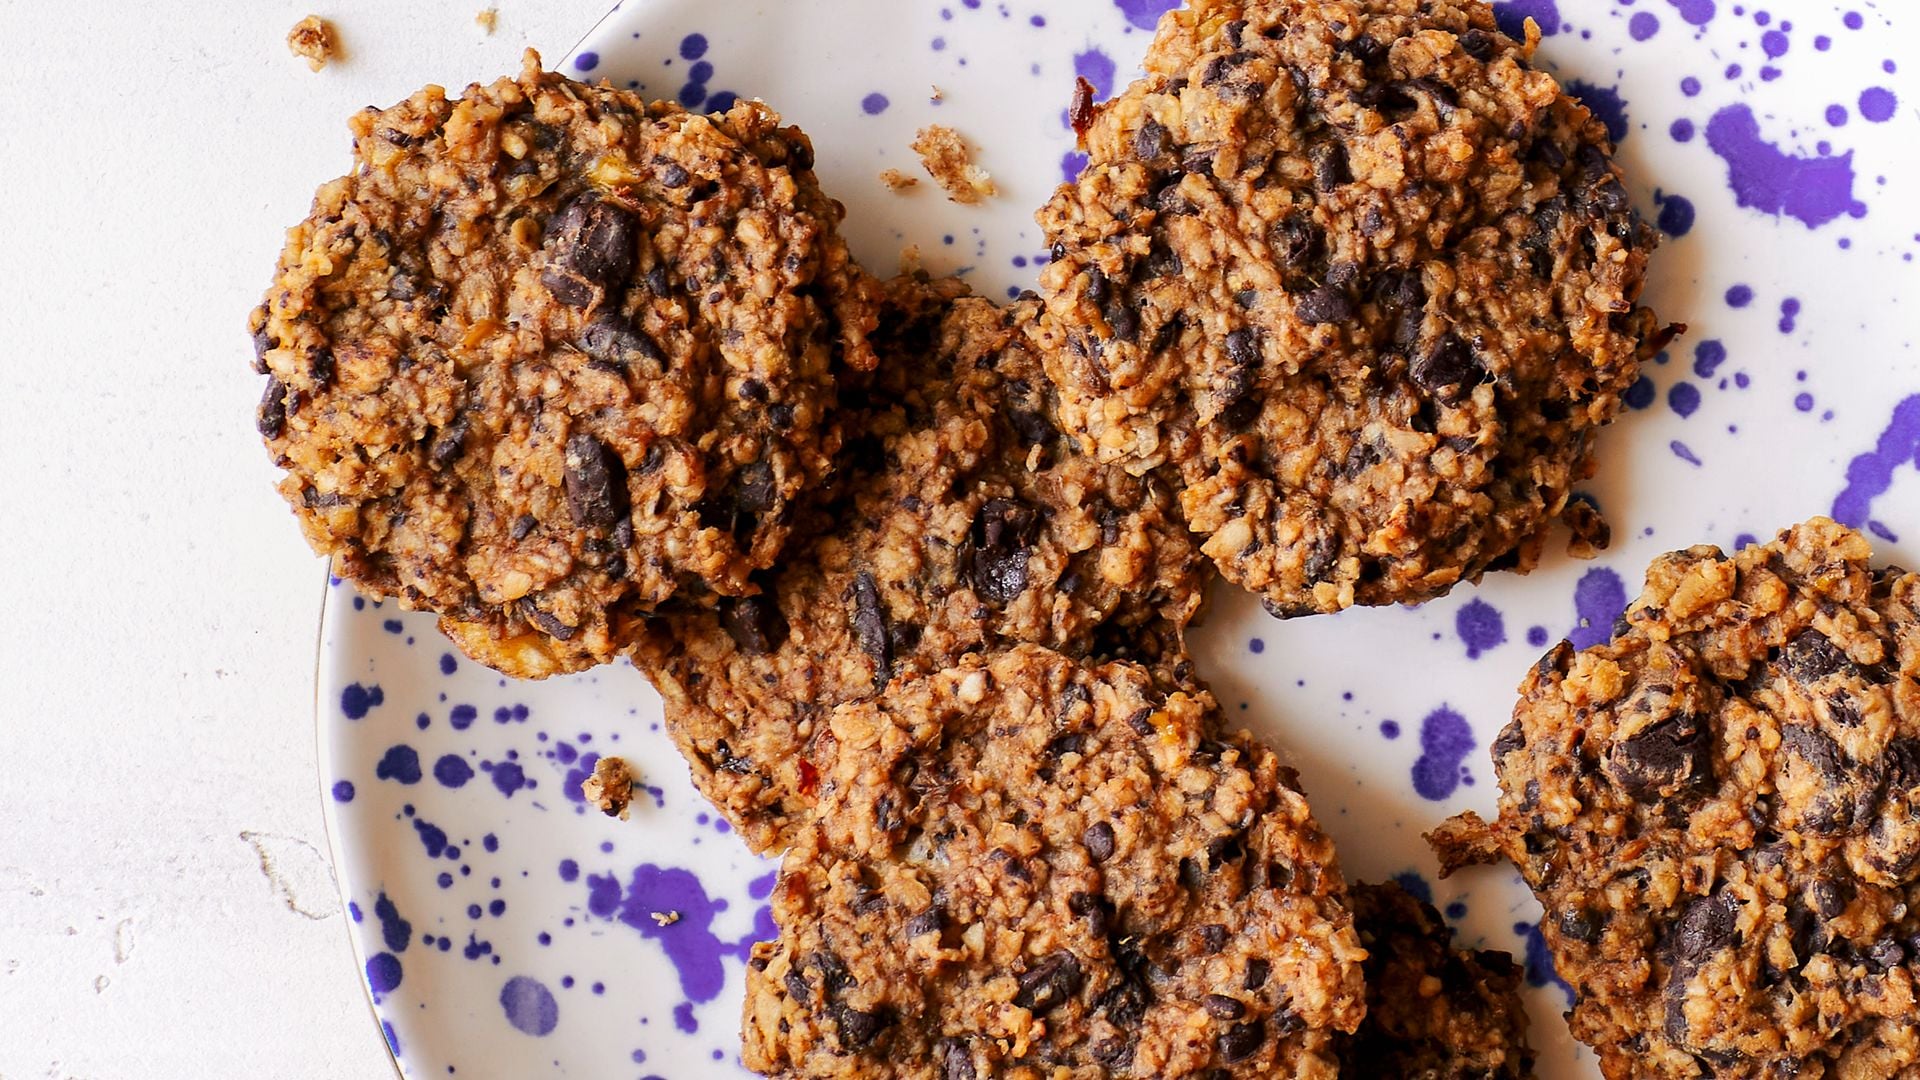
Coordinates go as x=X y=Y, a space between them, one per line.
x=312 y=39
x=665 y=918
x=1590 y=532
x=950 y=163
x=488 y=20
x=937 y=95
x=897 y=180
x=610 y=788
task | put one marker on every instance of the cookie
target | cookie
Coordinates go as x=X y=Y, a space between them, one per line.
x=961 y=520
x=1026 y=866
x=1434 y=1011
x=552 y=357
x=1364 y=276
x=1719 y=810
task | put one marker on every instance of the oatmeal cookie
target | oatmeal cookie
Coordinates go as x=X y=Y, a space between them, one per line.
x=552 y=356
x=961 y=519
x=1720 y=812
x=1434 y=1011
x=1029 y=866
x=1364 y=275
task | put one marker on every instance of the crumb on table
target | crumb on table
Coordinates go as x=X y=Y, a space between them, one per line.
x=312 y=40
x=610 y=788
x=897 y=180
x=488 y=19
x=950 y=163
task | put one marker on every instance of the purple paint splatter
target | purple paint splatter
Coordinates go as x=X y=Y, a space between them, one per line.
x=1598 y=599
x=452 y=771
x=1539 y=961
x=356 y=700
x=1480 y=627
x=1676 y=214
x=1643 y=25
x=529 y=1006
x=383 y=972
x=1445 y=740
x=401 y=764
x=1512 y=15
x=1683 y=398
x=1696 y=12
x=1877 y=104
x=1145 y=14
x=1814 y=191
x=395 y=931
x=1871 y=474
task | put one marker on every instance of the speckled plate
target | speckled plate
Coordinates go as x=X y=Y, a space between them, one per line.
x=506 y=931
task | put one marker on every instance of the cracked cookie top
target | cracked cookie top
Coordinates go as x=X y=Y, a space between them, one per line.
x=1720 y=811
x=1364 y=275
x=1029 y=866
x=552 y=357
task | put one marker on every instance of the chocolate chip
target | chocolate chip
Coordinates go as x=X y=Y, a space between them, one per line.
x=753 y=488
x=1048 y=983
x=590 y=245
x=754 y=623
x=1150 y=141
x=798 y=988
x=1298 y=242
x=271 y=417
x=1511 y=738
x=594 y=499
x=1330 y=165
x=1222 y=1007
x=1580 y=924
x=1478 y=44
x=1706 y=927
x=1099 y=841
x=451 y=442
x=927 y=922
x=1213 y=938
x=1161 y=262
x=1032 y=427
x=1326 y=304
x=613 y=340
x=1257 y=972
x=1811 y=656
x=1243 y=347
x=522 y=526
x=1099 y=912
x=320 y=366
x=545 y=620
x=1241 y=1041
x=857 y=1028
x=1449 y=367
x=1661 y=760
x=955 y=1062
x=1002 y=538
x=870 y=627
x=674 y=175
x=1398 y=290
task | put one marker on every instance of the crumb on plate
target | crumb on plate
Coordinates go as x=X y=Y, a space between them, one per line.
x=950 y=163
x=488 y=19
x=610 y=788
x=312 y=39
x=665 y=918
x=897 y=180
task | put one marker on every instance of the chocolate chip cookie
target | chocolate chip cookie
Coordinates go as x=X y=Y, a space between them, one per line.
x=1434 y=1011
x=961 y=519
x=1720 y=812
x=1029 y=866
x=552 y=357
x=1364 y=275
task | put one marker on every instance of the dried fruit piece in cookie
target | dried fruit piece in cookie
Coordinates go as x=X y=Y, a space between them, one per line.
x=1434 y=1011
x=1720 y=812
x=962 y=520
x=1367 y=277
x=1030 y=866
x=552 y=356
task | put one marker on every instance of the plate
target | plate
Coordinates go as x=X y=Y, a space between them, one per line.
x=504 y=930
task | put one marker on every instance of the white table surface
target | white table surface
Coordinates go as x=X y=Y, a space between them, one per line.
x=166 y=909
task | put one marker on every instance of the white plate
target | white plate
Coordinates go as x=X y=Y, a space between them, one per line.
x=504 y=931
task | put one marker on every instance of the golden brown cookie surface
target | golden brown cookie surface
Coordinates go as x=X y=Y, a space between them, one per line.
x=552 y=357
